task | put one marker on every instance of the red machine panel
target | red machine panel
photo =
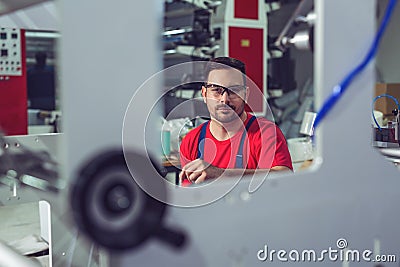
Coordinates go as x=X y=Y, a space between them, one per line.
x=13 y=90
x=246 y=9
x=246 y=44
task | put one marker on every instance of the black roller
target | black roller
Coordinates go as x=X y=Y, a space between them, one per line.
x=110 y=208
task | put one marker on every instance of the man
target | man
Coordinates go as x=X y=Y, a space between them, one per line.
x=41 y=84
x=234 y=142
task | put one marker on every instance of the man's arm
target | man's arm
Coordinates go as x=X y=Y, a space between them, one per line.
x=197 y=171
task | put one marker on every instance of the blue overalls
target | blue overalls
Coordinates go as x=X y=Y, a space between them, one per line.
x=239 y=155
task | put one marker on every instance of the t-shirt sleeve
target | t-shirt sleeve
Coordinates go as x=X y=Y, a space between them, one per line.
x=188 y=148
x=282 y=154
x=273 y=150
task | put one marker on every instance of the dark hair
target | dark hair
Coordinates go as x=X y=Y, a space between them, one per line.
x=225 y=63
x=220 y=63
x=40 y=58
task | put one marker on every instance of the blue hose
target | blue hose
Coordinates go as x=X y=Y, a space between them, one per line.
x=339 y=89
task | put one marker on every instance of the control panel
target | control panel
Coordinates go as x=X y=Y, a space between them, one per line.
x=13 y=88
x=10 y=52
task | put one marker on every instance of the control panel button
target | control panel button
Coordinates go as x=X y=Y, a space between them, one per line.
x=10 y=52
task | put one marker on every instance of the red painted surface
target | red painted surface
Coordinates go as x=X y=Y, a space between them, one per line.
x=247 y=45
x=246 y=9
x=13 y=99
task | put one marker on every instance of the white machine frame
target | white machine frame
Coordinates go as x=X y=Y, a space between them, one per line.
x=351 y=191
x=350 y=194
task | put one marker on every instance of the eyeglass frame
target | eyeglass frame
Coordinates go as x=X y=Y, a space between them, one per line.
x=228 y=90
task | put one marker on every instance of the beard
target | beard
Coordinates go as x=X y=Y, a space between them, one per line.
x=227 y=113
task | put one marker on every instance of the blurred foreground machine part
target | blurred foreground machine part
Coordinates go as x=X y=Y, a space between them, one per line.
x=111 y=208
x=24 y=160
x=293 y=207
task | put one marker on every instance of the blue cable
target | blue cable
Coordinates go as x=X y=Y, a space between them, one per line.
x=339 y=89
x=173 y=39
x=373 y=102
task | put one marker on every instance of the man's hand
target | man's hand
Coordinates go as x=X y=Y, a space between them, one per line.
x=198 y=171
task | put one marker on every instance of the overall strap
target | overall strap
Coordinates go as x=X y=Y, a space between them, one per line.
x=200 y=146
x=239 y=155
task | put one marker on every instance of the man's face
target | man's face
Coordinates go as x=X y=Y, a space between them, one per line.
x=224 y=94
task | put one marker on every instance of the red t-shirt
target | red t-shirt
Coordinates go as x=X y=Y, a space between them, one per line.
x=264 y=147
